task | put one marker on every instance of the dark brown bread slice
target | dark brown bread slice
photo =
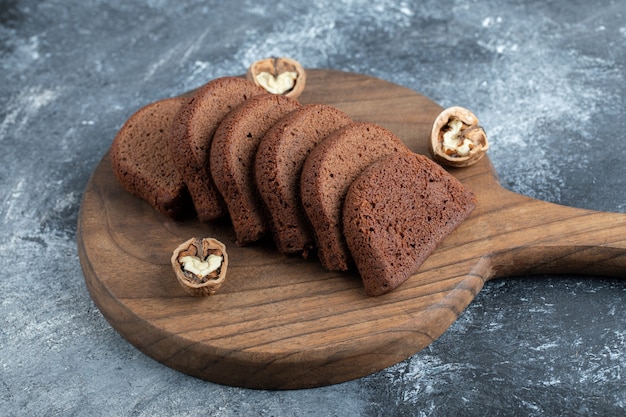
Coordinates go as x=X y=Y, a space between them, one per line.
x=396 y=213
x=141 y=160
x=279 y=161
x=192 y=134
x=328 y=172
x=232 y=161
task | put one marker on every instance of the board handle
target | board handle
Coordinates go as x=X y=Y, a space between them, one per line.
x=533 y=237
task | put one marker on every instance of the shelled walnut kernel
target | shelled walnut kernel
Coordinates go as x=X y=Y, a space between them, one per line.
x=456 y=138
x=278 y=76
x=200 y=265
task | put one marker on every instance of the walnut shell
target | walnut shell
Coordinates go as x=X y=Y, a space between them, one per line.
x=273 y=67
x=193 y=284
x=469 y=132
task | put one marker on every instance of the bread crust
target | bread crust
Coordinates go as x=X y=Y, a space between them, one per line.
x=142 y=163
x=278 y=166
x=192 y=134
x=396 y=213
x=328 y=172
x=232 y=157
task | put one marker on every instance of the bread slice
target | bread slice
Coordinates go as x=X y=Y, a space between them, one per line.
x=279 y=162
x=232 y=159
x=328 y=172
x=142 y=163
x=192 y=134
x=395 y=214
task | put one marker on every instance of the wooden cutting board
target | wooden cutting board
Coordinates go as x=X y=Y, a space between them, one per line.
x=284 y=322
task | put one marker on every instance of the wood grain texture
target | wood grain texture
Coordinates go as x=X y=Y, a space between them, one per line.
x=283 y=322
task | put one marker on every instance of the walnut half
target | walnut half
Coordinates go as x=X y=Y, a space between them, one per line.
x=456 y=139
x=278 y=76
x=200 y=265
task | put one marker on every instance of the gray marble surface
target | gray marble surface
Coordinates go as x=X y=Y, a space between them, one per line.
x=546 y=78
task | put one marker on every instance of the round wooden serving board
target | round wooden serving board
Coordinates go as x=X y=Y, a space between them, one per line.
x=284 y=322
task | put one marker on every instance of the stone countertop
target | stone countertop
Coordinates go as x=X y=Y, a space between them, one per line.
x=547 y=80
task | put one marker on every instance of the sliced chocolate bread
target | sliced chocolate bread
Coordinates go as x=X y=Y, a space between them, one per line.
x=192 y=134
x=395 y=214
x=232 y=157
x=328 y=171
x=279 y=162
x=142 y=163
